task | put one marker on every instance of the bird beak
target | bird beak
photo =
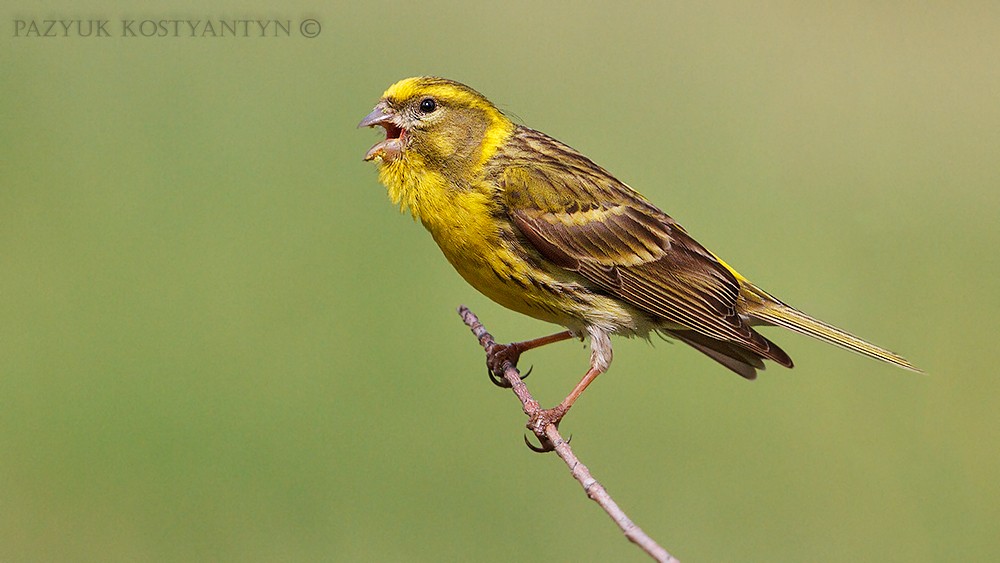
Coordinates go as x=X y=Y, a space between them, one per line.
x=376 y=117
x=389 y=149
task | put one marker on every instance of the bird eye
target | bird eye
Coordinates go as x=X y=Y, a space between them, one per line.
x=427 y=105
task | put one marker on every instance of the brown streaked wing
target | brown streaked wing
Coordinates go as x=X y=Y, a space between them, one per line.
x=581 y=218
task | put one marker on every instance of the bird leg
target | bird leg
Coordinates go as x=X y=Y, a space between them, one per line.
x=499 y=356
x=600 y=361
x=544 y=417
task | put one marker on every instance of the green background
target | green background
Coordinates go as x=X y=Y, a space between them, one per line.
x=220 y=342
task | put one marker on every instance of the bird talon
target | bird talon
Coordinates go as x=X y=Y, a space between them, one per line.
x=497 y=359
x=527 y=373
x=498 y=381
x=537 y=423
x=544 y=448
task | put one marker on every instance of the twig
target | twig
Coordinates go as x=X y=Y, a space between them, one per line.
x=550 y=434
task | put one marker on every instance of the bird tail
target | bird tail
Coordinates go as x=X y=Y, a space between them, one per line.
x=764 y=308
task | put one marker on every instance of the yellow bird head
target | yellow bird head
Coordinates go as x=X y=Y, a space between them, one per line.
x=434 y=122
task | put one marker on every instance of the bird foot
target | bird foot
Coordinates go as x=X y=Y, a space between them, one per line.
x=498 y=357
x=537 y=423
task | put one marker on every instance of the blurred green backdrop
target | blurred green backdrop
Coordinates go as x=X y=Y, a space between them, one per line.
x=219 y=341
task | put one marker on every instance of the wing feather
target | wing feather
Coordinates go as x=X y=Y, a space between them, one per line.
x=582 y=219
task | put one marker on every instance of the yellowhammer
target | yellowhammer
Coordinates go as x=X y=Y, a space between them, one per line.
x=543 y=230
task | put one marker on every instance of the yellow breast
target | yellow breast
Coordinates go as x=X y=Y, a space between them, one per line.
x=470 y=230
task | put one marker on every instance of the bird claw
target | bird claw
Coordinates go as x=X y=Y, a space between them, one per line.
x=502 y=381
x=498 y=381
x=545 y=446
x=537 y=423
x=498 y=357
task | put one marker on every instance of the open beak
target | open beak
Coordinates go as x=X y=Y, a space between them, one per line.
x=389 y=149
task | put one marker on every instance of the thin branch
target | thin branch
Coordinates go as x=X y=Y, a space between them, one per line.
x=550 y=434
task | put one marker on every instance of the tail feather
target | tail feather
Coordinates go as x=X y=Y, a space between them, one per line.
x=741 y=360
x=761 y=307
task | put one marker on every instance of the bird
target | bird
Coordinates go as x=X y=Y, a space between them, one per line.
x=543 y=230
